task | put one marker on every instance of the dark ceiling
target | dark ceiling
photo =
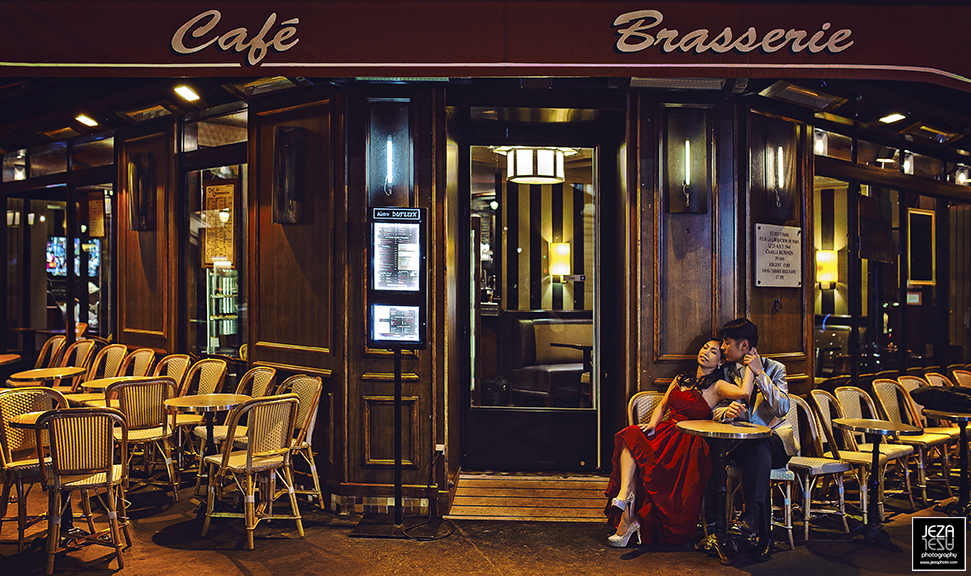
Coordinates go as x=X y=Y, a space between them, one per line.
x=37 y=111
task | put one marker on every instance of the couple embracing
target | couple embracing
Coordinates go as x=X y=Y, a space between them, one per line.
x=660 y=473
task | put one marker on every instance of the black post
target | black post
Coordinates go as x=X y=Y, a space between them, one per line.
x=397 y=437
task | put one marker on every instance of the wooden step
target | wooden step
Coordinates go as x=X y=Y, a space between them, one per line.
x=529 y=497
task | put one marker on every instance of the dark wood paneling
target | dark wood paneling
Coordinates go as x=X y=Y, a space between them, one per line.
x=295 y=274
x=378 y=444
x=147 y=267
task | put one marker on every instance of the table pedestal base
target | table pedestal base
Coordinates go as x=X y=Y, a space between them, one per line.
x=874 y=533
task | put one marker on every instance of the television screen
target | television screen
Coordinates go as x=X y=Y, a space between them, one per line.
x=57 y=256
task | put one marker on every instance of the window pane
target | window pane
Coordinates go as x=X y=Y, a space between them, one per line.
x=50 y=159
x=15 y=166
x=92 y=152
x=215 y=131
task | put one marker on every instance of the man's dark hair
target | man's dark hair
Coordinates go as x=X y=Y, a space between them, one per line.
x=741 y=329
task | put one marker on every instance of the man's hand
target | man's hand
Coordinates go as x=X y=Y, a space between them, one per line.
x=753 y=361
x=734 y=410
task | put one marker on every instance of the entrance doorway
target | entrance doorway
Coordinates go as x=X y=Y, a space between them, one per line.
x=533 y=398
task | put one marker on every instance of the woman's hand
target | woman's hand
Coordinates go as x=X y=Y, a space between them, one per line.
x=647 y=429
x=753 y=362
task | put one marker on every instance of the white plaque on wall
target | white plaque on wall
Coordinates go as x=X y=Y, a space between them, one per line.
x=778 y=256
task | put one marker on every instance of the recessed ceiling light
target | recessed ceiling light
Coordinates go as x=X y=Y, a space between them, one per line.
x=86 y=120
x=188 y=93
x=891 y=118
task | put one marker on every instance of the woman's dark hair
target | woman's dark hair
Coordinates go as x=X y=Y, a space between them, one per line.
x=689 y=379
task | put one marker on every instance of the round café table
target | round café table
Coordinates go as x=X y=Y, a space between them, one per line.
x=46 y=375
x=207 y=405
x=9 y=359
x=960 y=506
x=873 y=530
x=95 y=391
x=721 y=432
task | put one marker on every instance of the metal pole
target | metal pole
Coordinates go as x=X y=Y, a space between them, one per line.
x=397 y=437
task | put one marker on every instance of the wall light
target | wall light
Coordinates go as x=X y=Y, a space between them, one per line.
x=686 y=148
x=560 y=259
x=891 y=118
x=827 y=269
x=820 y=143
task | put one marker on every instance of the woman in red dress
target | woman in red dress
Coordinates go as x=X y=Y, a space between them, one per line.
x=660 y=473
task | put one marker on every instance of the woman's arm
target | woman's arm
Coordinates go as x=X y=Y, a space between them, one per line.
x=659 y=411
x=728 y=391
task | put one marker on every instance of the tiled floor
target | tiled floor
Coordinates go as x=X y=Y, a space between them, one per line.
x=167 y=541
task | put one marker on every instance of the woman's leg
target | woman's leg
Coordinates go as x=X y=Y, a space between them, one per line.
x=627 y=470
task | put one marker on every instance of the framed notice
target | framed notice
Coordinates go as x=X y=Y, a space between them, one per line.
x=921 y=252
x=397 y=256
x=395 y=324
x=778 y=256
x=219 y=216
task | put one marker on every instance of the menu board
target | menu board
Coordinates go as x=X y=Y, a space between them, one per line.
x=220 y=242
x=394 y=323
x=397 y=256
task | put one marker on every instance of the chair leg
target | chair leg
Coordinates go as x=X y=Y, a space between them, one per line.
x=807 y=499
x=123 y=512
x=288 y=473
x=249 y=505
x=86 y=508
x=53 y=526
x=842 y=502
x=309 y=456
x=787 y=508
x=111 y=497
x=211 y=500
x=170 y=468
x=21 y=512
x=922 y=475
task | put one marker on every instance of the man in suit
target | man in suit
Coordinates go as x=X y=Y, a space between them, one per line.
x=767 y=406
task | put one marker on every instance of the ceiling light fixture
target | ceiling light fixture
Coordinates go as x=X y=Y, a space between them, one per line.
x=535 y=165
x=891 y=118
x=86 y=120
x=186 y=93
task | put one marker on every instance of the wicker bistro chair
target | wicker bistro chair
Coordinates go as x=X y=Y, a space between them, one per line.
x=142 y=401
x=962 y=378
x=641 y=406
x=911 y=383
x=268 y=451
x=810 y=466
x=827 y=408
x=780 y=479
x=50 y=352
x=79 y=353
x=83 y=457
x=897 y=406
x=174 y=366
x=308 y=389
x=137 y=364
x=256 y=383
x=16 y=442
x=938 y=379
x=852 y=401
x=108 y=362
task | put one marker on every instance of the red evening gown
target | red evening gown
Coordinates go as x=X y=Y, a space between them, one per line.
x=672 y=472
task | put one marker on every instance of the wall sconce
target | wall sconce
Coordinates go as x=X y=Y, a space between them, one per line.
x=827 y=269
x=777 y=184
x=908 y=164
x=142 y=170
x=535 y=165
x=560 y=259
x=820 y=143
x=389 y=153
x=962 y=175
x=289 y=173
x=686 y=150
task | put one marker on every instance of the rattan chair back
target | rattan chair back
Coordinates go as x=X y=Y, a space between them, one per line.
x=270 y=423
x=204 y=377
x=108 y=361
x=138 y=363
x=938 y=379
x=856 y=403
x=895 y=402
x=142 y=401
x=641 y=406
x=50 y=352
x=257 y=382
x=828 y=408
x=17 y=401
x=175 y=366
x=962 y=378
x=308 y=389
x=82 y=441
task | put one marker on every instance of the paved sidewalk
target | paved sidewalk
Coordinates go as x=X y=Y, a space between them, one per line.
x=167 y=541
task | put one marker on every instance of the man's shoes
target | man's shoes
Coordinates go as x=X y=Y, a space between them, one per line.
x=745 y=527
x=72 y=534
x=763 y=549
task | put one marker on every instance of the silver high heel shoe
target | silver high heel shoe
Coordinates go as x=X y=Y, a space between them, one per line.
x=620 y=541
x=622 y=504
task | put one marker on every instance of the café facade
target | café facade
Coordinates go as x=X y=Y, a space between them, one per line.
x=520 y=213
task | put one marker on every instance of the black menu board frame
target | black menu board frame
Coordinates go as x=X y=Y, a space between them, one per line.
x=397 y=279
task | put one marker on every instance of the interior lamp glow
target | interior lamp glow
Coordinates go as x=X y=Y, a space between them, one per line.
x=560 y=259
x=535 y=165
x=827 y=269
x=188 y=94
x=891 y=118
x=86 y=120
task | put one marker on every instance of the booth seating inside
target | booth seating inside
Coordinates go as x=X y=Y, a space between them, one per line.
x=550 y=359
